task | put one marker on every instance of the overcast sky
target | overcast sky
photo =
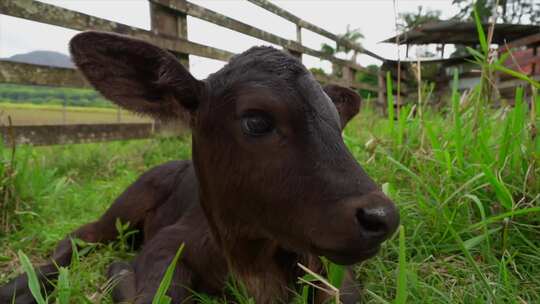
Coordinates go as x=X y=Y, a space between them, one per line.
x=375 y=19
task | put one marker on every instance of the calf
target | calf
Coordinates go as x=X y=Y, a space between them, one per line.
x=271 y=182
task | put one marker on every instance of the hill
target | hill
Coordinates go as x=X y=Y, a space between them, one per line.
x=49 y=58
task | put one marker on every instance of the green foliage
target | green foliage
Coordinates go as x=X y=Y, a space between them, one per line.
x=511 y=11
x=352 y=35
x=408 y=21
x=474 y=185
x=21 y=179
x=124 y=237
x=368 y=78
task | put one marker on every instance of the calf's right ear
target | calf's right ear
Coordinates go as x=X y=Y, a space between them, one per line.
x=136 y=75
x=346 y=101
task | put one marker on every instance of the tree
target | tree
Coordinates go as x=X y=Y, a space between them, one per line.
x=408 y=21
x=352 y=35
x=509 y=11
x=368 y=78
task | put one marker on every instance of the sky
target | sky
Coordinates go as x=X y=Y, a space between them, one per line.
x=374 y=18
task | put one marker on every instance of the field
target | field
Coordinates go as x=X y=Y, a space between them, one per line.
x=40 y=105
x=27 y=94
x=40 y=114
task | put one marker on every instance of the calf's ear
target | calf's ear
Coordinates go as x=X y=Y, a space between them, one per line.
x=346 y=101
x=136 y=75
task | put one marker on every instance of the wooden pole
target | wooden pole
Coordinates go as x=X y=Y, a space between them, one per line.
x=419 y=80
x=167 y=22
x=64 y=112
x=299 y=40
x=382 y=89
x=118 y=115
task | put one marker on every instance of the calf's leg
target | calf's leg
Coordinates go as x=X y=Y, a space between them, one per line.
x=139 y=281
x=350 y=288
x=130 y=207
x=18 y=288
x=122 y=276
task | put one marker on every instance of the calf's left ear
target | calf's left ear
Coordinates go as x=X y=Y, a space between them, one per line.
x=346 y=101
x=136 y=75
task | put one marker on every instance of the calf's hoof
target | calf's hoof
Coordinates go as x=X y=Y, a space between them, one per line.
x=123 y=276
x=16 y=294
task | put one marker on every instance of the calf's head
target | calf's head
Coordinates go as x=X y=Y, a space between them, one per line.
x=267 y=144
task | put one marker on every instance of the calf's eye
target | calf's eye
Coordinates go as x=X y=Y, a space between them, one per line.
x=256 y=124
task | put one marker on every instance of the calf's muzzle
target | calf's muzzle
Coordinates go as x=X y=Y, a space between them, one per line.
x=372 y=218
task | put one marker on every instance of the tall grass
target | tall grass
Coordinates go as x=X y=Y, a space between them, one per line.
x=470 y=198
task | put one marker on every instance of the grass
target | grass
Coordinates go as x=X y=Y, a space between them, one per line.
x=34 y=114
x=59 y=188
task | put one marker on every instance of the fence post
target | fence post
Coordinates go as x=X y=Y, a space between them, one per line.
x=170 y=23
x=347 y=74
x=64 y=119
x=299 y=40
x=167 y=22
x=118 y=115
x=382 y=89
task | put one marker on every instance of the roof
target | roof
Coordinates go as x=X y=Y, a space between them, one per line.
x=447 y=62
x=459 y=32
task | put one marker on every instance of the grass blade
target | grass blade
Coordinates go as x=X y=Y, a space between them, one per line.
x=160 y=296
x=481 y=34
x=63 y=286
x=458 y=138
x=33 y=282
x=501 y=191
x=402 y=292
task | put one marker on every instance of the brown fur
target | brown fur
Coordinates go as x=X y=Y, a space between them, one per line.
x=252 y=203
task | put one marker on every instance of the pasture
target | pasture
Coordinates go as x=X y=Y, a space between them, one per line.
x=468 y=192
x=50 y=114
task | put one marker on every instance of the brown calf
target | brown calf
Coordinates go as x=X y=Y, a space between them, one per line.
x=271 y=183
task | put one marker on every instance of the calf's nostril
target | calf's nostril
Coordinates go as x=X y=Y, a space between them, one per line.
x=372 y=221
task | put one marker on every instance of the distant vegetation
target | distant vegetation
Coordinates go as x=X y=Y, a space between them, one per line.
x=52 y=95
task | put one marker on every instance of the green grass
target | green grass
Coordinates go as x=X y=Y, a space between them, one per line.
x=59 y=188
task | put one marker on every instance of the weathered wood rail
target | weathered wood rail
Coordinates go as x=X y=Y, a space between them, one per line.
x=169 y=31
x=45 y=135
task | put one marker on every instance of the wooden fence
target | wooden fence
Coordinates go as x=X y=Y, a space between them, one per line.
x=169 y=31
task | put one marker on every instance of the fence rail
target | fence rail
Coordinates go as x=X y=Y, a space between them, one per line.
x=24 y=73
x=45 y=135
x=169 y=31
